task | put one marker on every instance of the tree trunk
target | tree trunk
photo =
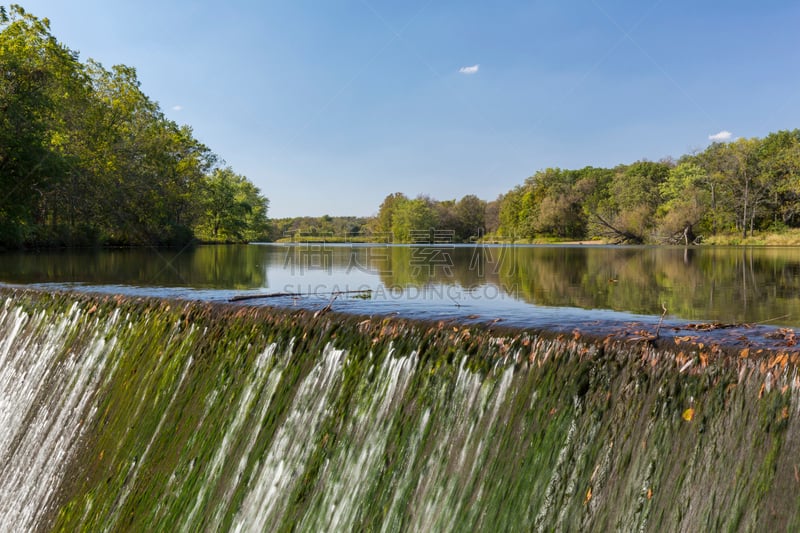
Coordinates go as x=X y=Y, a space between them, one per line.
x=744 y=208
x=714 y=209
x=688 y=234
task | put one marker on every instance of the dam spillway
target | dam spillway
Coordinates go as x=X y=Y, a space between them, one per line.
x=124 y=413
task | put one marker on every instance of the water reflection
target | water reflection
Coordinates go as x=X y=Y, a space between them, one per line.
x=705 y=283
x=230 y=267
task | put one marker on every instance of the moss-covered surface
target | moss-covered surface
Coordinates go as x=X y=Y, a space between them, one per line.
x=213 y=416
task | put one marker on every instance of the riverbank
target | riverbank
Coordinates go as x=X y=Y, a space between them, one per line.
x=789 y=237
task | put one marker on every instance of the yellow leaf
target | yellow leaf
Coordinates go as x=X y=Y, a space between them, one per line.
x=688 y=414
x=588 y=496
x=649 y=493
x=744 y=353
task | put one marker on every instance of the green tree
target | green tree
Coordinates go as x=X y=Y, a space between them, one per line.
x=86 y=156
x=470 y=214
x=779 y=167
x=412 y=219
x=384 y=221
x=510 y=214
x=33 y=68
x=735 y=167
x=492 y=215
x=234 y=208
x=627 y=212
x=685 y=199
x=446 y=217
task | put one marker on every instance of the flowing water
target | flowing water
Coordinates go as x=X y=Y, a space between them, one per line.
x=140 y=414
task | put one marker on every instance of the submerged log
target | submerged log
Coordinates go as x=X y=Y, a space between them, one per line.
x=244 y=297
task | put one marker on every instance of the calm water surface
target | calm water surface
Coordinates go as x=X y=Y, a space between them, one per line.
x=552 y=286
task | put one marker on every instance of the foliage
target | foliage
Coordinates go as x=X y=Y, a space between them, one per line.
x=326 y=227
x=685 y=200
x=382 y=223
x=233 y=208
x=741 y=186
x=413 y=220
x=424 y=219
x=87 y=158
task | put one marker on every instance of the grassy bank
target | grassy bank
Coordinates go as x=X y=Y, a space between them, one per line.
x=788 y=237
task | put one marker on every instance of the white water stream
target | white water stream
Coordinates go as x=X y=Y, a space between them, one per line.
x=52 y=366
x=47 y=396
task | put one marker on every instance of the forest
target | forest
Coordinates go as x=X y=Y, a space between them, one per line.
x=734 y=188
x=400 y=219
x=86 y=158
x=731 y=189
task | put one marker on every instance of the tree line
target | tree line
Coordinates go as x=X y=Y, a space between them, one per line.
x=399 y=219
x=736 y=187
x=325 y=227
x=87 y=158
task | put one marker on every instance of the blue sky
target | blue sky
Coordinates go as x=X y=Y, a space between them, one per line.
x=328 y=106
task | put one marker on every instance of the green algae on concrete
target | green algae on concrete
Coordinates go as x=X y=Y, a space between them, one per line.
x=213 y=417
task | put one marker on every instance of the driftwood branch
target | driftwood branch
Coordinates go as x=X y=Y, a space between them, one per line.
x=685 y=236
x=243 y=297
x=621 y=236
x=661 y=320
x=327 y=307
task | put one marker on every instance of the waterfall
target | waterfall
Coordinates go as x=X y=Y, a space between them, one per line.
x=47 y=393
x=136 y=414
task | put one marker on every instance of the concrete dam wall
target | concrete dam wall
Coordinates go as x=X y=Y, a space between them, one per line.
x=144 y=414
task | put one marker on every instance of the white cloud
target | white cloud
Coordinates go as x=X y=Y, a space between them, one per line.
x=177 y=108
x=469 y=70
x=724 y=135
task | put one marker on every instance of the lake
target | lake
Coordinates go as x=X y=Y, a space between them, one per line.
x=548 y=286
